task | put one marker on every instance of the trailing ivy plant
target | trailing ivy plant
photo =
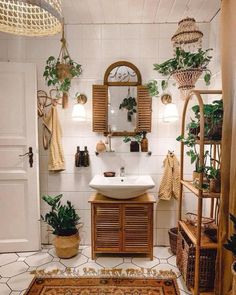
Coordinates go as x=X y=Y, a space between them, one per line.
x=62 y=218
x=183 y=60
x=129 y=103
x=137 y=137
x=52 y=76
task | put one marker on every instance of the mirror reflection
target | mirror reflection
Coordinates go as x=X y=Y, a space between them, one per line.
x=122 y=108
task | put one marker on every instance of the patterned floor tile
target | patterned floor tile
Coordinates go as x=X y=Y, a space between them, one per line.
x=87 y=252
x=162 y=252
x=145 y=262
x=75 y=261
x=38 y=259
x=20 y=282
x=13 y=269
x=7 y=258
x=4 y=289
x=52 y=266
x=109 y=262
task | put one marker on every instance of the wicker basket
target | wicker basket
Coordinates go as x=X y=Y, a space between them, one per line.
x=187 y=79
x=173 y=234
x=186 y=263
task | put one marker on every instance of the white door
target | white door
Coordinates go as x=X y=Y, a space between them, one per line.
x=19 y=185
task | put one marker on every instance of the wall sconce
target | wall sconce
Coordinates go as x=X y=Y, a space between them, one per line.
x=170 y=113
x=79 y=112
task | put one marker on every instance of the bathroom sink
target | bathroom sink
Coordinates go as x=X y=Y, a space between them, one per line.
x=126 y=187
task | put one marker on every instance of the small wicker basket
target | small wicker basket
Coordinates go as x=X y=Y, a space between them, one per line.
x=187 y=79
x=173 y=235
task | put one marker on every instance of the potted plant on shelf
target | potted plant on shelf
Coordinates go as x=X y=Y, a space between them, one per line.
x=231 y=246
x=213 y=175
x=64 y=221
x=134 y=144
x=185 y=67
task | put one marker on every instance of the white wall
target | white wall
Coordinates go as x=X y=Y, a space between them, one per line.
x=96 y=47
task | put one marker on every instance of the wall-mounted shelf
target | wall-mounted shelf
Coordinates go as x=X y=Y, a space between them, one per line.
x=149 y=153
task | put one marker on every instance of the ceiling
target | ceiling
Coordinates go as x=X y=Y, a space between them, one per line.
x=137 y=11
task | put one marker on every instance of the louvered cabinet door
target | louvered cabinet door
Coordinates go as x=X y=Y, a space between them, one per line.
x=100 y=105
x=107 y=227
x=144 y=116
x=138 y=228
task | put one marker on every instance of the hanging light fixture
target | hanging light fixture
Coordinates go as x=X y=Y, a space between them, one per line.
x=170 y=113
x=31 y=17
x=79 y=112
x=187 y=34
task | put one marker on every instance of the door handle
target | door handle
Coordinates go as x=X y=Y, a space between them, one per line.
x=30 y=154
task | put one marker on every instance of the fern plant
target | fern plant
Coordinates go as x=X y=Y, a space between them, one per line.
x=62 y=218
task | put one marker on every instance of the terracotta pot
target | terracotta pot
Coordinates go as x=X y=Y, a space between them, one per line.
x=63 y=71
x=233 y=268
x=100 y=147
x=66 y=246
x=196 y=176
x=215 y=185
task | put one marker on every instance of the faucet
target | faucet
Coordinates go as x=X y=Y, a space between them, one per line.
x=122 y=171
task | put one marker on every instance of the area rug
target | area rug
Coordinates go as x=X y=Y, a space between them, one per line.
x=102 y=286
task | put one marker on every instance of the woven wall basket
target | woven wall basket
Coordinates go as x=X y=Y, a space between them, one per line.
x=186 y=79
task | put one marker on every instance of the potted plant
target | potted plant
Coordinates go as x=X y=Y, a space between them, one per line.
x=213 y=175
x=134 y=144
x=186 y=67
x=64 y=221
x=59 y=72
x=129 y=103
x=231 y=246
x=213 y=119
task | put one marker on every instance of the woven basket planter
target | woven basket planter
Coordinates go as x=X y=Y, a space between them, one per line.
x=173 y=234
x=186 y=79
x=63 y=71
x=186 y=263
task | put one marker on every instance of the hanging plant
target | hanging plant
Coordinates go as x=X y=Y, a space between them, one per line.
x=129 y=103
x=60 y=71
x=185 y=67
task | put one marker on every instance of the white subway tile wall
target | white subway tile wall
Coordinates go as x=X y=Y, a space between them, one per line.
x=96 y=47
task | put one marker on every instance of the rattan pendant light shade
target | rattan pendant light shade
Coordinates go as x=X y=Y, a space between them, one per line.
x=31 y=17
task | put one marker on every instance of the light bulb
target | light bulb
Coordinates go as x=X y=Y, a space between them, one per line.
x=79 y=113
x=170 y=113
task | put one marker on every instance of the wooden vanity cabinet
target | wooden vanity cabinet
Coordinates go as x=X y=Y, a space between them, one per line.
x=122 y=226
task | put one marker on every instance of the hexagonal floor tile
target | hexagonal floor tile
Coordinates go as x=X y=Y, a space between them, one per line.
x=26 y=254
x=109 y=262
x=172 y=260
x=4 y=289
x=145 y=262
x=162 y=252
x=13 y=269
x=38 y=259
x=7 y=258
x=75 y=261
x=87 y=252
x=20 y=282
x=52 y=266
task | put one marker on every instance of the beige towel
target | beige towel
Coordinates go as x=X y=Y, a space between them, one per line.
x=52 y=140
x=170 y=183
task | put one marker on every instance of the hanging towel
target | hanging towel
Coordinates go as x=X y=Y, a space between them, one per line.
x=170 y=183
x=52 y=140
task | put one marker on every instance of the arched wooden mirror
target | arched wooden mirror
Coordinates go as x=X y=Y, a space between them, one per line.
x=122 y=105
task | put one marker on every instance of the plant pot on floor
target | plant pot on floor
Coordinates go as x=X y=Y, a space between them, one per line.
x=66 y=246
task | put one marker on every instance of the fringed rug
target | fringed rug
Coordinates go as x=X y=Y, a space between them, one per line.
x=102 y=286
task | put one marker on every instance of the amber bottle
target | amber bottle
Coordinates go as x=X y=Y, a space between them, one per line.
x=144 y=143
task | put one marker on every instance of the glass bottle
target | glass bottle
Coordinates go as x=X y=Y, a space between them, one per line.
x=78 y=158
x=144 y=143
x=86 y=157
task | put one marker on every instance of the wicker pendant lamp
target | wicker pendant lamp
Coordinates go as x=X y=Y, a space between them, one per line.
x=31 y=17
x=187 y=34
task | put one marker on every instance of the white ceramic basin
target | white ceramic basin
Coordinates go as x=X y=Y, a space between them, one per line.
x=126 y=187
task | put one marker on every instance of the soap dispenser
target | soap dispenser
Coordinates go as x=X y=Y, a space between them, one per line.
x=78 y=158
x=144 y=143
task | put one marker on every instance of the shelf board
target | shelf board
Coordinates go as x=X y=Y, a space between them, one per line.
x=191 y=232
x=208 y=142
x=190 y=186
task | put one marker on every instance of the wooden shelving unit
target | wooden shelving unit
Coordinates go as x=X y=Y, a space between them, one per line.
x=194 y=233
